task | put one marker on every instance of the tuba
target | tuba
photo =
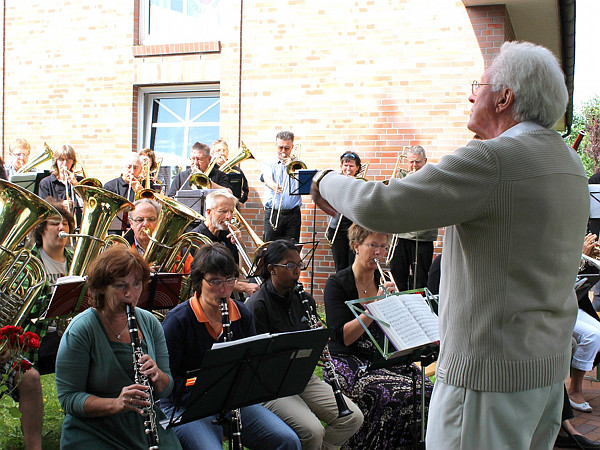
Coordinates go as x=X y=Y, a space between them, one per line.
x=243 y=154
x=22 y=276
x=40 y=158
x=100 y=207
x=168 y=239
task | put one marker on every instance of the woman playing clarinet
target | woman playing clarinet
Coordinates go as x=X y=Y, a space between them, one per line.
x=278 y=307
x=383 y=395
x=191 y=329
x=95 y=374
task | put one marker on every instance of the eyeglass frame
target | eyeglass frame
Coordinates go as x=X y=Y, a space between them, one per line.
x=374 y=246
x=142 y=219
x=292 y=266
x=476 y=85
x=217 y=282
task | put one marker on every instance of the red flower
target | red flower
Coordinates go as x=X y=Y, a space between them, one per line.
x=28 y=336
x=33 y=343
x=9 y=330
x=21 y=365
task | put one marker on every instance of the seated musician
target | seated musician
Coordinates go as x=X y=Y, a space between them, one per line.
x=59 y=185
x=56 y=257
x=220 y=206
x=277 y=307
x=200 y=160
x=95 y=374
x=19 y=151
x=144 y=218
x=191 y=329
x=128 y=183
x=384 y=395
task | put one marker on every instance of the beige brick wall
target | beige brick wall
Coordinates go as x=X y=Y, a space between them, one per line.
x=371 y=75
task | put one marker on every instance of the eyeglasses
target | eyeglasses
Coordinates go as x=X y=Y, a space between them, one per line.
x=284 y=147
x=217 y=282
x=147 y=219
x=476 y=85
x=349 y=155
x=374 y=246
x=292 y=266
x=20 y=155
x=222 y=212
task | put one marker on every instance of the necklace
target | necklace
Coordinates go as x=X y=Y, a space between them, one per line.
x=118 y=335
x=360 y=286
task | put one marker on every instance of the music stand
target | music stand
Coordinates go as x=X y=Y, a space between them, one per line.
x=69 y=298
x=594 y=201
x=193 y=198
x=425 y=354
x=162 y=292
x=30 y=180
x=250 y=371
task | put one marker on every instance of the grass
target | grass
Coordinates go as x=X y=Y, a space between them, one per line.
x=11 y=437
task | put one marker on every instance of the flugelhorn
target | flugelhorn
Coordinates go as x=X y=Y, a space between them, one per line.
x=45 y=155
x=242 y=154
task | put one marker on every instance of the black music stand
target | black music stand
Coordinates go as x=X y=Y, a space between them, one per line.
x=250 y=371
x=162 y=292
x=193 y=198
x=29 y=180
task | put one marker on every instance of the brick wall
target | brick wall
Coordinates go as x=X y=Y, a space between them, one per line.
x=371 y=76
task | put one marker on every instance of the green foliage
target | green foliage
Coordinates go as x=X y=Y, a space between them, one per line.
x=11 y=436
x=588 y=120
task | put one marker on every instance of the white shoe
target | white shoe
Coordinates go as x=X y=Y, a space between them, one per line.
x=583 y=407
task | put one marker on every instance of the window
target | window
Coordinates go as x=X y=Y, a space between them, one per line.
x=174 y=121
x=180 y=21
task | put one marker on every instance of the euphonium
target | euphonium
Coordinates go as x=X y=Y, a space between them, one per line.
x=242 y=155
x=22 y=276
x=40 y=158
x=100 y=207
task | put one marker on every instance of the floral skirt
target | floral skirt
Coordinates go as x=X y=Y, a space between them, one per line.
x=385 y=396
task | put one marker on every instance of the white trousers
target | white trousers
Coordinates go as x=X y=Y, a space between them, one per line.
x=465 y=419
x=587 y=335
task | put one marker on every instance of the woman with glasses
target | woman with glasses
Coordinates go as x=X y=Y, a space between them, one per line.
x=277 y=307
x=95 y=375
x=337 y=231
x=383 y=395
x=191 y=329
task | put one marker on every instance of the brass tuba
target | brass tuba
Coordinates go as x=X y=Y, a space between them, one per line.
x=168 y=239
x=40 y=158
x=242 y=154
x=100 y=207
x=22 y=276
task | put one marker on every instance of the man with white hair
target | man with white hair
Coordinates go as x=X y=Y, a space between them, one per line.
x=220 y=207
x=515 y=206
x=128 y=183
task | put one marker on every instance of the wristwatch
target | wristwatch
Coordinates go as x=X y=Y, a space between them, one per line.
x=319 y=176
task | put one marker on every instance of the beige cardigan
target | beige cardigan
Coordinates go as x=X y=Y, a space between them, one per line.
x=516 y=210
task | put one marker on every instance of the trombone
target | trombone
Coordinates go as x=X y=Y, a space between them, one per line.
x=386 y=276
x=291 y=167
x=361 y=175
x=241 y=250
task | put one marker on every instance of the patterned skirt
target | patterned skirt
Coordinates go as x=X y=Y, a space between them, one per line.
x=385 y=396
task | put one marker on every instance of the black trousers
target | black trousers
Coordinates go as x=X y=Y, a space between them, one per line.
x=403 y=267
x=288 y=226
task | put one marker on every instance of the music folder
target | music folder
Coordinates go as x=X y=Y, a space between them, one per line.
x=162 y=292
x=29 y=180
x=70 y=297
x=250 y=371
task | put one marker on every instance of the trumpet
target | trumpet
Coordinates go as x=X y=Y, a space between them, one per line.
x=386 y=277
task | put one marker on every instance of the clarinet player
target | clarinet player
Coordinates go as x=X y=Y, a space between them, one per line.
x=191 y=329
x=277 y=308
x=95 y=374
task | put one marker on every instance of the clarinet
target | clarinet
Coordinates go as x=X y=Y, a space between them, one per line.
x=236 y=416
x=313 y=322
x=150 y=428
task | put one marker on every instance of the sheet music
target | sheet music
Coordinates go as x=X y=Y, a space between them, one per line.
x=411 y=321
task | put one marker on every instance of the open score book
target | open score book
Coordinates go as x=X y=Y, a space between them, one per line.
x=406 y=319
